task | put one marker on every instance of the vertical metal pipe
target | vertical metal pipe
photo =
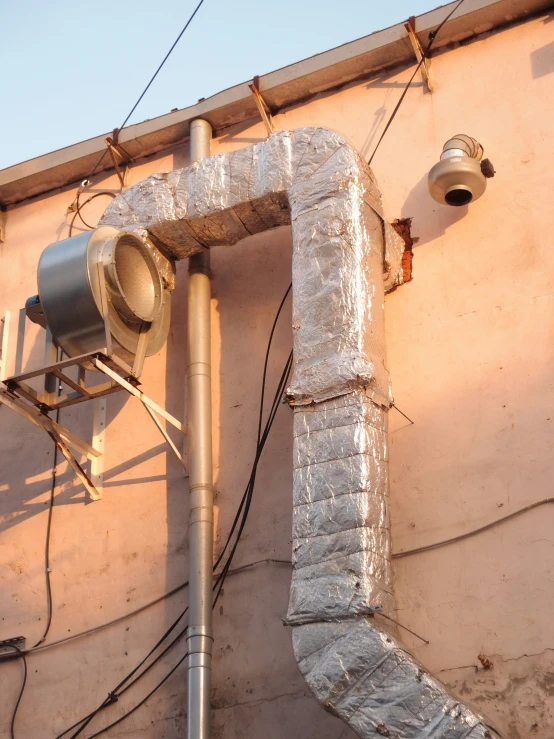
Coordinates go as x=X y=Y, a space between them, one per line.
x=200 y=633
x=200 y=139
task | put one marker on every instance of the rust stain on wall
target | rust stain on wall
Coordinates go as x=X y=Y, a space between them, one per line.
x=403 y=227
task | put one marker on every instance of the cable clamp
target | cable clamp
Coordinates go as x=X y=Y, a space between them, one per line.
x=112 y=698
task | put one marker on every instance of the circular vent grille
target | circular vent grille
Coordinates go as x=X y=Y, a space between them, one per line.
x=138 y=277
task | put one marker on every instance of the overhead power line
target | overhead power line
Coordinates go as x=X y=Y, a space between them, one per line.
x=117 y=131
x=432 y=37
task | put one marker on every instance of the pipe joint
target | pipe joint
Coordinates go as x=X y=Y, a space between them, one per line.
x=201 y=369
x=200 y=642
x=201 y=514
x=193 y=631
x=199 y=659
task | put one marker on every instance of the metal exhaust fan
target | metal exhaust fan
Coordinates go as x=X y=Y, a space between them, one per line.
x=460 y=177
x=102 y=291
x=104 y=299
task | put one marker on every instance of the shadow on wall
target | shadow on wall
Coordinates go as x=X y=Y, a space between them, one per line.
x=177 y=487
x=430 y=219
x=542 y=60
x=381 y=114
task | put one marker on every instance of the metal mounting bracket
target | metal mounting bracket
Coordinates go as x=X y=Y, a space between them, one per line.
x=12 y=647
x=34 y=406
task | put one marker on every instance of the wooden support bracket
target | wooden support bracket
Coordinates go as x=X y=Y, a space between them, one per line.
x=263 y=107
x=119 y=156
x=419 y=53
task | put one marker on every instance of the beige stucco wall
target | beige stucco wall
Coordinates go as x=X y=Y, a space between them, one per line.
x=471 y=349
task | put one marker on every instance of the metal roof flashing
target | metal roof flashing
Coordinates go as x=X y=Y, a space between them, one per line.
x=281 y=89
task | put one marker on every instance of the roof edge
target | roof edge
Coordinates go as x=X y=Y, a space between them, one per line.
x=281 y=89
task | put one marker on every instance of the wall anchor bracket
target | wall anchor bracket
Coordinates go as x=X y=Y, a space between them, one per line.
x=263 y=107
x=419 y=53
x=12 y=647
x=20 y=397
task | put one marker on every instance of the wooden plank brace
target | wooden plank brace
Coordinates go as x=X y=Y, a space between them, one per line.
x=419 y=53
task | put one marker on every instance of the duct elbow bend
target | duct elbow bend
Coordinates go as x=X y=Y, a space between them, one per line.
x=365 y=677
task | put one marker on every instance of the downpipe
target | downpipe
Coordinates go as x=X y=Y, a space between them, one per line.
x=201 y=533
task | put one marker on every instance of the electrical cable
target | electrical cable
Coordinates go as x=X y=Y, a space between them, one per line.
x=106 y=625
x=113 y=694
x=159 y=642
x=187 y=24
x=222 y=576
x=79 y=206
x=220 y=579
x=143 y=701
x=432 y=37
x=117 y=131
x=480 y=530
x=166 y=57
x=395 y=555
x=47 y=545
x=247 y=498
x=59 y=357
x=266 y=361
x=260 y=418
x=140 y=609
x=21 y=691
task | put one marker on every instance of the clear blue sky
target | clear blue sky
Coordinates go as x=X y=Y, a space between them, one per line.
x=72 y=70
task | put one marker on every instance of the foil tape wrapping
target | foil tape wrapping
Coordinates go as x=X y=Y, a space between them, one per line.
x=345 y=256
x=341 y=529
x=363 y=675
x=342 y=574
x=313 y=179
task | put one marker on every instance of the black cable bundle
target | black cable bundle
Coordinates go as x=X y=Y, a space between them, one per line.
x=236 y=532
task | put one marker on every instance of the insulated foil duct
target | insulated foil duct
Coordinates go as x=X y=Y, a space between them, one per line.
x=345 y=257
